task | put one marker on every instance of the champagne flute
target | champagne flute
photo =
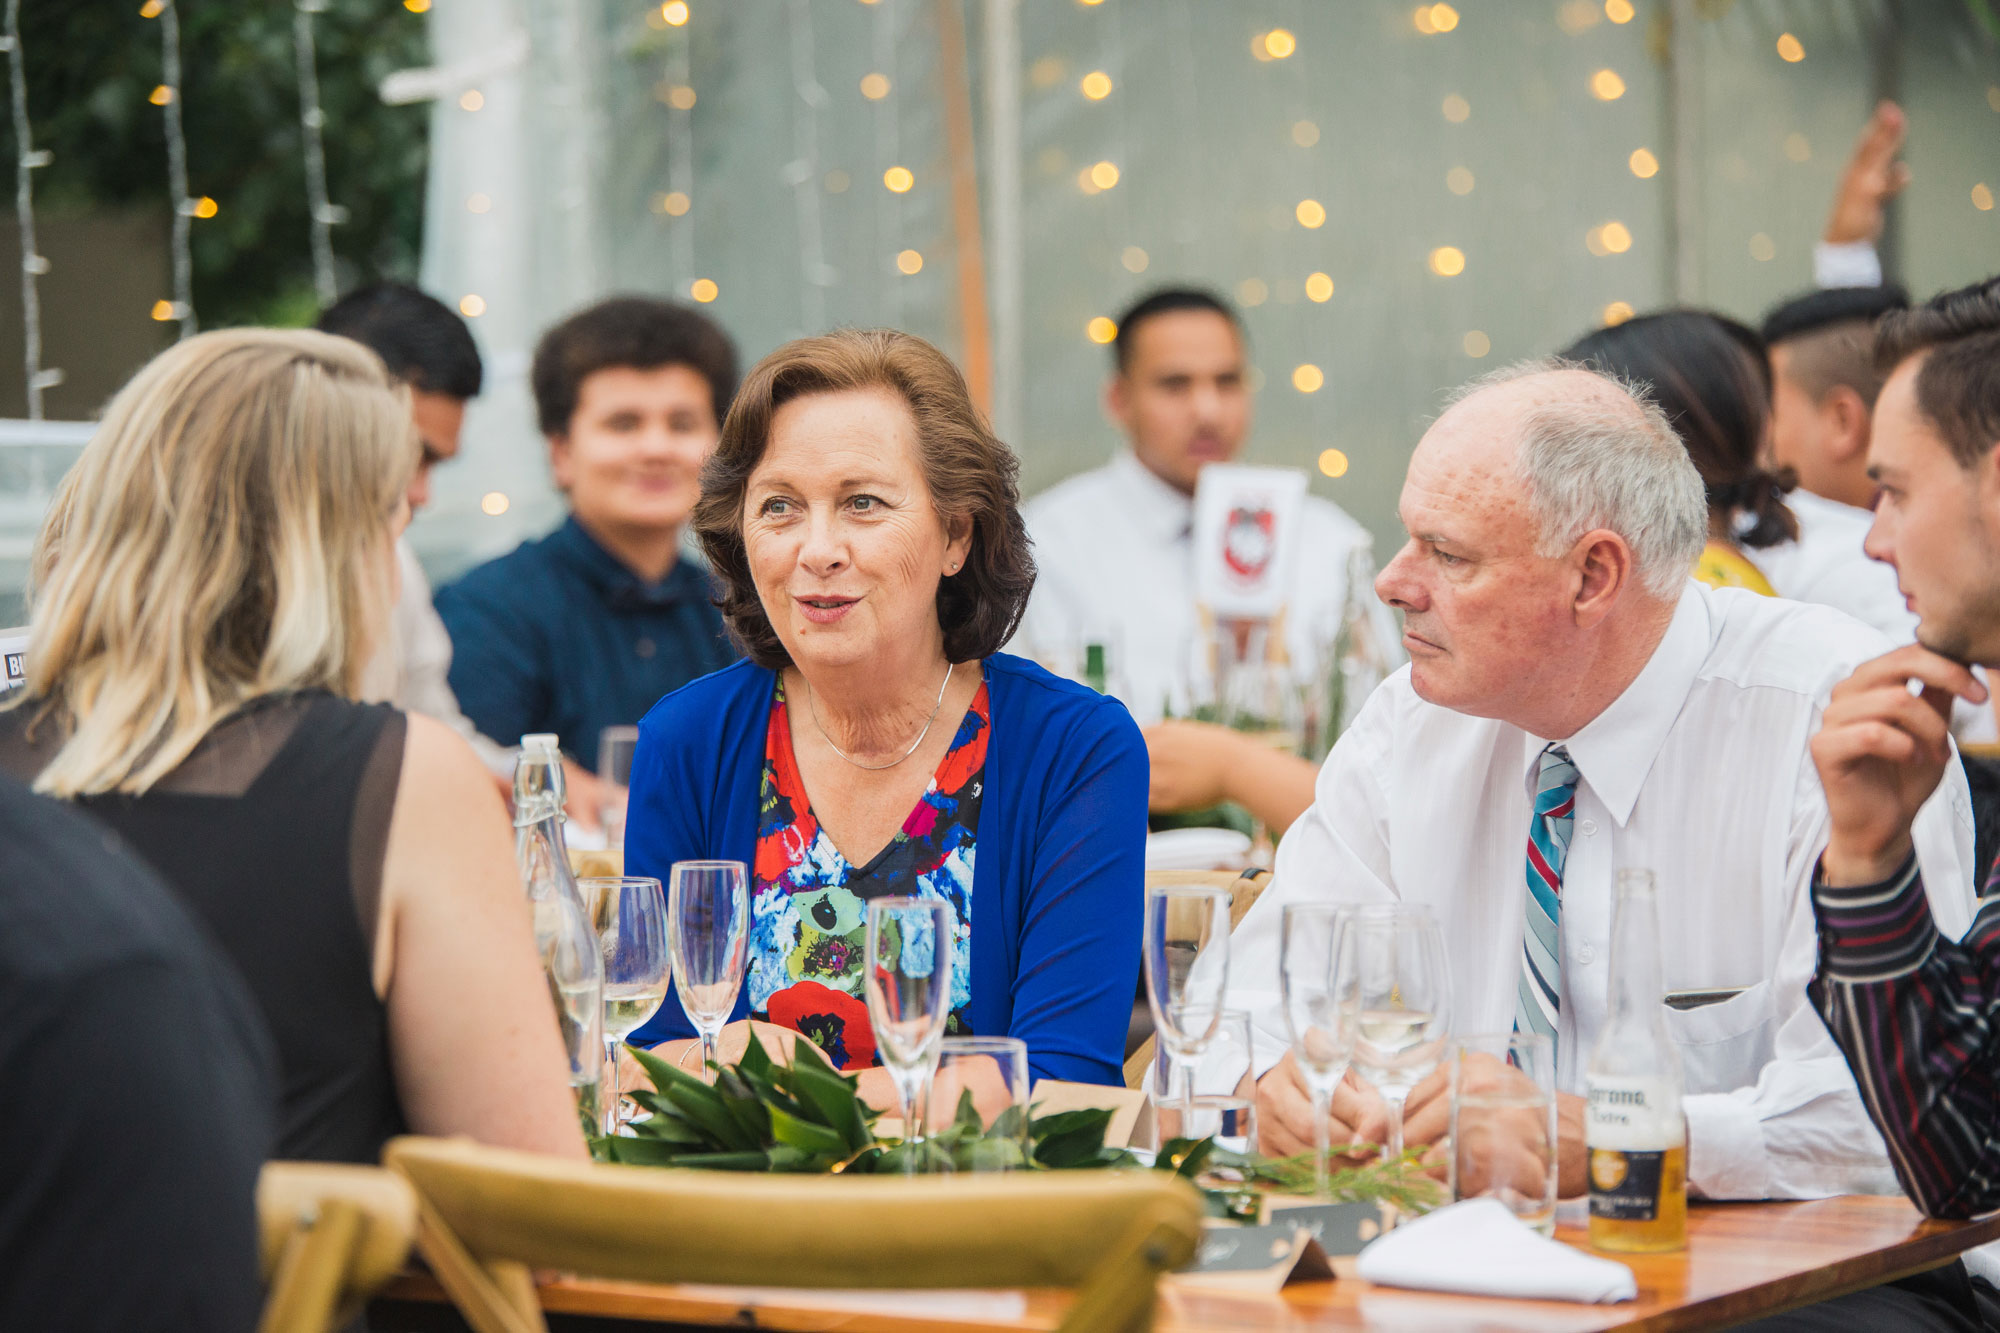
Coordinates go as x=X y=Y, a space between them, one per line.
x=909 y=995
x=1402 y=993
x=630 y=914
x=1187 y=973
x=1321 y=1012
x=708 y=914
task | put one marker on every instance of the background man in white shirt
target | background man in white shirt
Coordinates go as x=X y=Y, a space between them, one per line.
x=1114 y=549
x=1552 y=519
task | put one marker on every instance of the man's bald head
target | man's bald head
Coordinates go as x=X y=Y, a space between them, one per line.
x=1589 y=451
x=1553 y=518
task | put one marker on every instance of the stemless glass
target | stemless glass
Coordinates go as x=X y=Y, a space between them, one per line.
x=615 y=748
x=1321 y=1011
x=909 y=995
x=708 y=913
x=630 y=913
x=1187 y=973
x=995 y=1071
x=1402 y=993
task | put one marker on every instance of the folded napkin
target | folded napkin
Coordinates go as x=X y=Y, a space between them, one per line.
x=1479 y=1248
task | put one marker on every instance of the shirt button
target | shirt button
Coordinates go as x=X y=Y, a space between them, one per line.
x=645 y=648
x=1589 y=827
x=1587 y=953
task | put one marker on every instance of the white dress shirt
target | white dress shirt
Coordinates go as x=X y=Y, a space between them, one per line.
x=1698 y=772
x=1846 y=264
x=1827 y=565
x=412 y=670
x=1114 y=554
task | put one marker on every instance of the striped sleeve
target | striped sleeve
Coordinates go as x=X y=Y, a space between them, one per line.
x=1918 y=1018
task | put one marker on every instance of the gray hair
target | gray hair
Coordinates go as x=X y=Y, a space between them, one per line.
x=1608 y=460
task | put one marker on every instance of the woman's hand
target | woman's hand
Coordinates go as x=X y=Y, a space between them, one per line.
x=685 y=1054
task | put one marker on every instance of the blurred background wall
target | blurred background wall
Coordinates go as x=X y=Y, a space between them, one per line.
x=1399 y=196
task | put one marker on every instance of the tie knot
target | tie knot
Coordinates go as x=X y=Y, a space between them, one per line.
x=1555 y=773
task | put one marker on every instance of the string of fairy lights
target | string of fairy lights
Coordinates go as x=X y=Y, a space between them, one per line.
x=1276 y=45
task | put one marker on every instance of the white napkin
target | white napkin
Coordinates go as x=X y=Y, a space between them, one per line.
x=1478 y=1248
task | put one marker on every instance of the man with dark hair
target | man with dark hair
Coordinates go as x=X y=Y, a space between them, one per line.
x=587 y=627
x=1917 y=1013
x=112 y=992
x=1114 y=545
x=429 y=348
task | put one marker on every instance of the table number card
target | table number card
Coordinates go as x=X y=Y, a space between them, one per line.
x=13 y=658
x=1246 y=523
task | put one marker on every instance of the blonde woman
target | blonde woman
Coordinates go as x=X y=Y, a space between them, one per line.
x=207 y=587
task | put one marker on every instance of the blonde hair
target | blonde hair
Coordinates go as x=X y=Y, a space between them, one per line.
x=223 y=536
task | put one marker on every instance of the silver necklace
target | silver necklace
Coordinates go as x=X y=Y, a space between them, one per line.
x=811 y=703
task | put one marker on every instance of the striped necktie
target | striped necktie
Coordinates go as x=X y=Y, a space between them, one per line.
x=1535 y=1002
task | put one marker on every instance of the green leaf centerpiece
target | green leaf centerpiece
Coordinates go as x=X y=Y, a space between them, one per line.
x=805 y=1117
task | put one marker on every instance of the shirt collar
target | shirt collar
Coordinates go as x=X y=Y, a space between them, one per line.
x=1160 y=509
x=621 y=589
x=1615 y=750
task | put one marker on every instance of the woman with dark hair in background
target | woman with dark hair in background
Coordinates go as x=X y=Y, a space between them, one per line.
x=1711 y=377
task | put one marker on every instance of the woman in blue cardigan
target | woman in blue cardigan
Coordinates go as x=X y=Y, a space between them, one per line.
x=864 y=525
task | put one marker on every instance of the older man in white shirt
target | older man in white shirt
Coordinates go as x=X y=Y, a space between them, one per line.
x=1551 y=626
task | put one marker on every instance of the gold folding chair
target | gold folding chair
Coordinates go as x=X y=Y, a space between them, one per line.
x=488 y=1216
x=330 y=1235
x=1245 y=887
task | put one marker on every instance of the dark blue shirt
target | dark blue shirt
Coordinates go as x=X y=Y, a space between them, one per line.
x=558 y=636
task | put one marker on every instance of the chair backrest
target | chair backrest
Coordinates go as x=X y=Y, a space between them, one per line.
x=505 y=1210
x=1245 y=887
x=329 y=1236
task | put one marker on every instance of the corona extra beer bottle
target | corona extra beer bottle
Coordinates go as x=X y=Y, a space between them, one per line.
x=1634 y=1128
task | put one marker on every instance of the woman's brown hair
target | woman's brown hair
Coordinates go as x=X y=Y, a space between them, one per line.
x=970 y=473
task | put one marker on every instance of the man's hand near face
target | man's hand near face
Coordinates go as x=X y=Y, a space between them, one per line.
x=1881 y=752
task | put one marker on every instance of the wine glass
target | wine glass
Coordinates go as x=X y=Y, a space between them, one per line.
x=708 y=911
x=1187 y=973
x=909 y=995
x=1402 y=995
x=1321 y=1012
x=630 y=913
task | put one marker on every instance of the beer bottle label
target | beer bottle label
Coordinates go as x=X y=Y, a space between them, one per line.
x=1633 y=1125
x=1625 y=1186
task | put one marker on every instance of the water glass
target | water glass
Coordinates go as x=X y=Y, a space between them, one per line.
x=1321 y=1012
x=708 y=921
x=909 y=995
x=1402 y=994
x=630 y=914
x=1186 y=945
x=994 y=1072
x=1503 y=1124
x=615 y=747
x=1222 y=1094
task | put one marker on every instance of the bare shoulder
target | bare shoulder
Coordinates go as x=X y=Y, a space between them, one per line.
x=446 y=794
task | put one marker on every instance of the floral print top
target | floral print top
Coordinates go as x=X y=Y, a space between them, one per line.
x=809 y=913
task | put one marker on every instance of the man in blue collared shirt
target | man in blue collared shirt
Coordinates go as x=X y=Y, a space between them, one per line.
x=587 y=627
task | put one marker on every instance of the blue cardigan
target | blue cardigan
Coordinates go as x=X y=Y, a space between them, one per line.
x=1058 y=881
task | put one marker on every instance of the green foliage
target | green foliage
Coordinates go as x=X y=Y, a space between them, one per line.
x=92 y=68
x=806 y=1117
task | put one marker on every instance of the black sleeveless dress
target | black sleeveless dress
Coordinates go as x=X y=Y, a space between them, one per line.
x=274 y=833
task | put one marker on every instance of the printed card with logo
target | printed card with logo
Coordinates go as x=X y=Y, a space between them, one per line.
x=1246 y=522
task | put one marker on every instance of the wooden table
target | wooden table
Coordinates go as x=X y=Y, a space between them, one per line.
x=1742 y=1261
